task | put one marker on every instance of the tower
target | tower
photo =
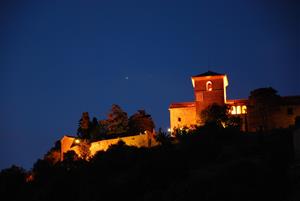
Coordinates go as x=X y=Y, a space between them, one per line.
x=209 y=88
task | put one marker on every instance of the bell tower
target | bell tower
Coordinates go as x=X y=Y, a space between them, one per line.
x=209 y=88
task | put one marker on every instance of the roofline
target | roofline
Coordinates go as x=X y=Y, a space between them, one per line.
x=69 y=136
x=181 y=105
x=237 y=101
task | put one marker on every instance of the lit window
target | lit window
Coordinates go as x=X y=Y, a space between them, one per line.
x=238 y=109
x=209 y=86
x=233 y=110
x=244 y=109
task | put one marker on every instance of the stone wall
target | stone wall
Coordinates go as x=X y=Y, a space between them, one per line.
x=67 y=144
x=180 y=117
x=142 y=140
x=277 y=118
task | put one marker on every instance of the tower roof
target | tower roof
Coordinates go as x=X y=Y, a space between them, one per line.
x=208 y=73
x=182 y=105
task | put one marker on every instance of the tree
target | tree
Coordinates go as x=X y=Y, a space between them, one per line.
x=84 y=149
x=96 y=132
x=13 y=175
x=164 y=138
x=83 y=130
x=214 y=114
x=13 y=183
x=103 y=127
x=70 y=156
x=117 y=122
x=219 y=116
x=233 y=121
x=53 y=155
x=140 y=122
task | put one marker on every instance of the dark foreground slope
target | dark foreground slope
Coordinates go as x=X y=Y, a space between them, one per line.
x=208 y=164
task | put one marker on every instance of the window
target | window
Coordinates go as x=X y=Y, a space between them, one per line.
x=290 y=111
x=238 y=109
x=233 y=110
x=209 y=86
x=179 y=119
x=244 y=109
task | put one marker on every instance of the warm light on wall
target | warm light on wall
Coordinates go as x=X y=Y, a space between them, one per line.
x=225 y=84
x=77 y=141
x=238 y=110
x=244 y=109
x=233 y=110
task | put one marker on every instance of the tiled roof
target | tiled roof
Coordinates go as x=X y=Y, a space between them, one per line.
x=183 y=104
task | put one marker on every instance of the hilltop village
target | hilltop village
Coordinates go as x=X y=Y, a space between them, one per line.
x=263 y=110
x=216 y=149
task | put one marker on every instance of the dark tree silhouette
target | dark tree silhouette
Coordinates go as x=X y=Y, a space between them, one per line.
x=103 y=126
x=233 y=121
x=53 y=155
x=214 y=114
x=83 y=130
x=117 y=122
x=12 y=183
x=193 y=165
x=140 y=122
x=96 y=132
x=71 y=156
x=163 y=137
x=219 y=115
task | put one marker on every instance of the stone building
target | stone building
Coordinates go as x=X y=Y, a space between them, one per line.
x=263 y=110
x=71 y=143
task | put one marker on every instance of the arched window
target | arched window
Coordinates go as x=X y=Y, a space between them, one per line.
x=209 y=86
x=238 y=109
x=244 y=109
x=233 y=110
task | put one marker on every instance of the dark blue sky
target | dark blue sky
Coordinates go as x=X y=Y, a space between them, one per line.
x=61 y=58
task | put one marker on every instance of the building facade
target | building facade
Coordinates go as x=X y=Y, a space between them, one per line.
x=255 y=112
x=71 y=143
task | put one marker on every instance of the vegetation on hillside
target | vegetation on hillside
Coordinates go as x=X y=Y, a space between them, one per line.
x=219 y=116
x=116 y=124
x=210 y=162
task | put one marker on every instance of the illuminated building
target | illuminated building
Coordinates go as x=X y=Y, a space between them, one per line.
x=210 y=87
x=71 y=143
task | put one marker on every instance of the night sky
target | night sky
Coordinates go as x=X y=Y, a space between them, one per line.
x=61 y=58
